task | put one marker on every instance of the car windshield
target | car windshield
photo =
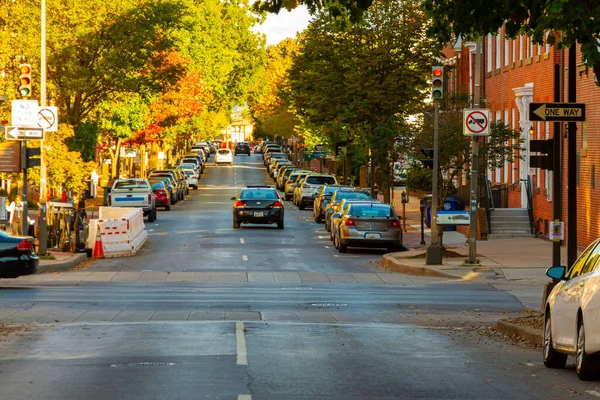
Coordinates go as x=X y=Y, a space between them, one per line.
x=187 y=166
x=277 y=155
x=258 y=195
x=224 y=151
x=131 y=185
x=370 y=210
x=189 y=173
x=351 y=195
x=158 y=185
x=320 y=180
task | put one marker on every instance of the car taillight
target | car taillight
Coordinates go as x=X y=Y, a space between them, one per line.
x=239 y=203
x=25 y=245
x=277 y=204
x=395 y=223
x=350 y=222
x=109 y=200
x=306 y=186
x=162 y=192
x=149 y=199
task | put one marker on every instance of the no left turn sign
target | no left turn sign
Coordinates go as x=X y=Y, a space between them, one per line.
x=476 y=122
x=48 y=118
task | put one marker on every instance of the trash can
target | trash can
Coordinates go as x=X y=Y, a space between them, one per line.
x=107 y=190
x=451 y=204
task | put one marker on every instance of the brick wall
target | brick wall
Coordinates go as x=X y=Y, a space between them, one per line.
x=481 y=226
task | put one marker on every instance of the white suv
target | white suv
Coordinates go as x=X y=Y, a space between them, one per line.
x=309 y=187
x=572 y=315
x=224 y=156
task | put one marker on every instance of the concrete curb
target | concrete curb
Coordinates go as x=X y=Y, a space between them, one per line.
x=529 y=334
x=396 y=266
x=61 y=266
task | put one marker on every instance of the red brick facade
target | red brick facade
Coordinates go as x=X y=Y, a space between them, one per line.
x=517 y=63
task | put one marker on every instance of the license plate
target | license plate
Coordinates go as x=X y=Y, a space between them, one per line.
x=372 y=235
x=259 y=214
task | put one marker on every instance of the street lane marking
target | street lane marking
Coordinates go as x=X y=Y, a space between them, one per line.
x=158 y=234
x=244 y=397
x=244 y=258
x=185 y=232
x=242 y=241
x=327 y=247
x=240 y=341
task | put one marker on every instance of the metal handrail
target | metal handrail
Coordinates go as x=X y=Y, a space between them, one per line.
x=489 y=204
x=529 y=202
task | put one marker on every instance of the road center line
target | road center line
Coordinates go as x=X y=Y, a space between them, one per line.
x=242 y=241
x=244 y=397
x=240 y=340
x=244 y=258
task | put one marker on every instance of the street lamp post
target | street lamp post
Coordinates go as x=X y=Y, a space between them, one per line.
x=43 y=96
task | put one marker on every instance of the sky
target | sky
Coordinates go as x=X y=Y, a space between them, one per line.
x=285 y=24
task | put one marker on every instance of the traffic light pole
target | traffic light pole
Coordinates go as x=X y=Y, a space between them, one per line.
x=571 y=170
x=24 y=221
x=434 y=251
x=43 y=96
x=557 y=169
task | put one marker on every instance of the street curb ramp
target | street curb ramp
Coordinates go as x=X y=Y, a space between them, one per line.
x=122 y=231
x=394 y=265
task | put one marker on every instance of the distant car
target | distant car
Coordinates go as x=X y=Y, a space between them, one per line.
x=192 y=178
x=242 y=148
x=322 y=200
x=283 y=176
x=290 y=183
x=171 y=190
x=163 y=198
x=17 y=256
x=310 y=186
x=365 y=224
x=258 y=205
x=572 y=315
x=224 y=156
x=297 y=193
x=134 y=192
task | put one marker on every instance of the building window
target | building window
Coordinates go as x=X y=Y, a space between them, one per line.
x=547 y=44
x=498 y=50
x=489 y=53
x=506 y=52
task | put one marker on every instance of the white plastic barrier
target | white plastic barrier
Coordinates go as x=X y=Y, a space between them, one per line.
x=121 y=230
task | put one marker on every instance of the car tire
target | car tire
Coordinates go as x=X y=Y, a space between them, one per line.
x=280 y=224
x=248 y=154
x=152 y=215
x=551 y=357
x=395 y=248
x=587 y=366
x=288 y=197
x=318 y=218
x=343 y=248
x=236 y=224
x=301 y=205
x=167 y=208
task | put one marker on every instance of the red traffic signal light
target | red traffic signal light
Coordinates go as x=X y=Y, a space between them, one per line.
x=437 y=82
x=438 y=71
x=25 y=80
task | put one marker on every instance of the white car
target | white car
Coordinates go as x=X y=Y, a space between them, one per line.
x=224 y=156
x=191 y=177
x=310 y=186
x=572 y=315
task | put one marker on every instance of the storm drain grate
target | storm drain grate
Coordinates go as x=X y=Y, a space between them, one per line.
x=329 y=304
x=142 y=364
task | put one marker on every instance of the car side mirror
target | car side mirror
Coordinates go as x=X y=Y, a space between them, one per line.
x=233 y=198
x=557 y=272
x=337 y=215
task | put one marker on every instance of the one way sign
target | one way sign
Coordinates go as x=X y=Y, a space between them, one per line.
x=559 y=112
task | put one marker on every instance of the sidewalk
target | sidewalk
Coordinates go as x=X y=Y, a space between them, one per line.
x=62 y=262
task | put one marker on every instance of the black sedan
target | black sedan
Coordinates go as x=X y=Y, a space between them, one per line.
x=258 y=205
x=17 y=256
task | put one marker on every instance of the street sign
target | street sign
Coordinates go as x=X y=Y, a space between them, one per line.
x=16 y=133
x=48 y=118
x=453 y=217
x=476 y=121
x=560 y=112
x=10 y=157
x=557 y=231
x=24 y=113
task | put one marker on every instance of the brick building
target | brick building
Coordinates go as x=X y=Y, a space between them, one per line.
x=516 y=72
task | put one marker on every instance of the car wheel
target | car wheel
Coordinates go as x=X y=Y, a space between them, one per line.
x=318 y=218
x=248 y=154
x=236 y=224
x=587 y=366
x=342 y=247
x=152 y=215
x=288 y=197
x=336 y=242
x=552 y=358
x=301 y=205
x=167 y=208
x=327 y=226
x=280 y=224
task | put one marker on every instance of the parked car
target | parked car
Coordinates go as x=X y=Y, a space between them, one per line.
x=17 y=256
x=310 y=186
x=322 y=200
x=365 y=224
x=192 y=178
x=161 y=192
x=224 y=156
x=290 y=183
x=337 y=198
x=572 y=315
x=283 y=176
x=298 y=187
x=177 y=181
x=279 y=168
x=171 y=188
x=334 y=219
x=276 y=163
x=242 y=148
x=134 y=192
x=258 y=205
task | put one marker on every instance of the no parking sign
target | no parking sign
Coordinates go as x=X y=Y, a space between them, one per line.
x=476 y=121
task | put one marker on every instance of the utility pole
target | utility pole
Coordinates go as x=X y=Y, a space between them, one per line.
x=475 y=162
x=43 y=97
x=557 y=168
x=434 y=251
x=571 y=170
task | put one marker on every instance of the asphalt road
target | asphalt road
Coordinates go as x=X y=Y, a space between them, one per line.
x=341 y=330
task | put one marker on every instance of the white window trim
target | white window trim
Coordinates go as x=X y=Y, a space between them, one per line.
x=520 y=48
x=498 y=51
x=489 y=53
x=506 y=52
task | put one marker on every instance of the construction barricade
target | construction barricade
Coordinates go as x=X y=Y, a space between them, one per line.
x=121 y=231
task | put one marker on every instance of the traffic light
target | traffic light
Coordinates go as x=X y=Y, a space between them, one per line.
x=428 y=160
x=545 y=147
x=25 y=80
x=437 y=82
